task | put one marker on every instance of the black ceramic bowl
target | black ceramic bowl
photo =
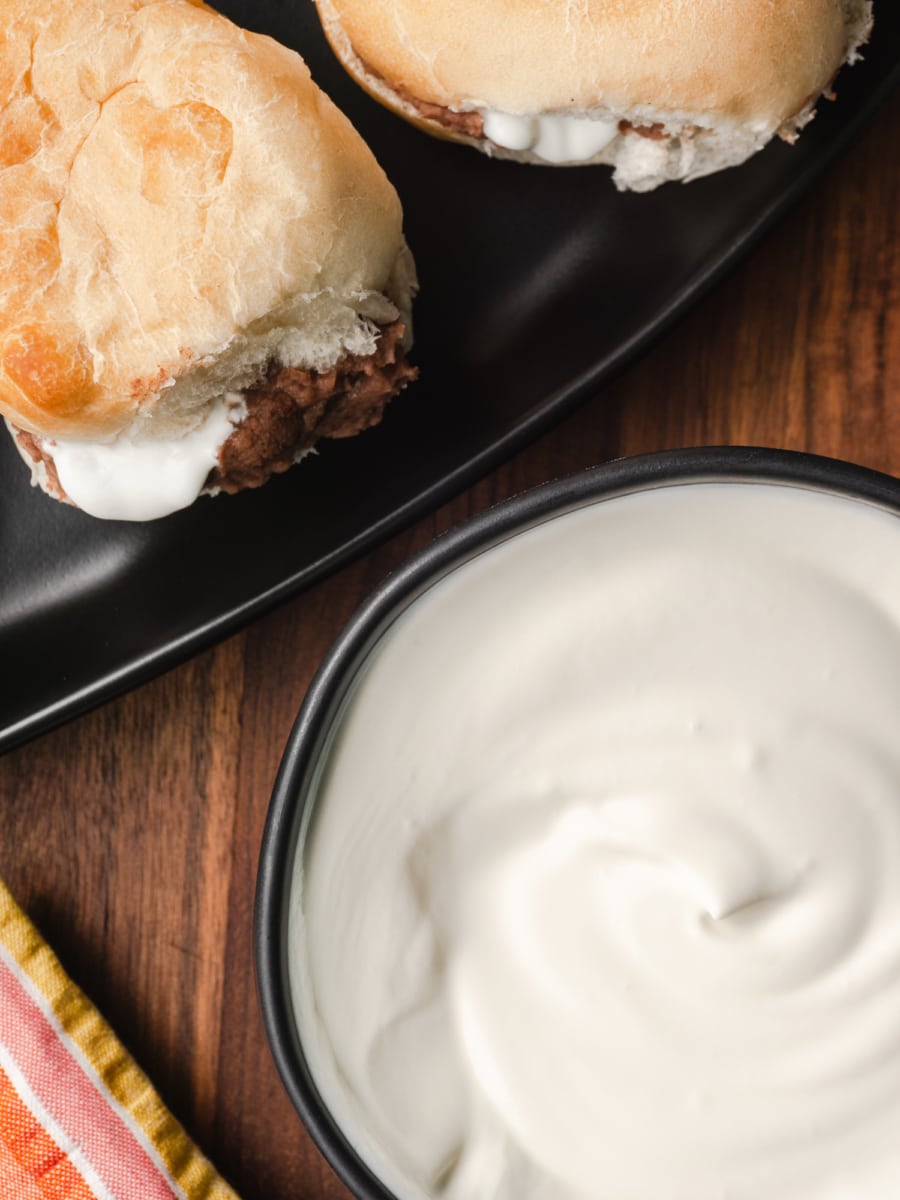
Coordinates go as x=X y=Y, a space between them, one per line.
x=294 y=788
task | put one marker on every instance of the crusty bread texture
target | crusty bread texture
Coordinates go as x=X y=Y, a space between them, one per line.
x=180 y=207
x=706 y=82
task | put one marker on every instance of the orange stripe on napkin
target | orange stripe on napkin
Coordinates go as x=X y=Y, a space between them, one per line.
x=14 y=1181
x=30 y=1158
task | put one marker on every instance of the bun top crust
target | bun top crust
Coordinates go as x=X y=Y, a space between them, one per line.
x=167 y=180
x=751 y=61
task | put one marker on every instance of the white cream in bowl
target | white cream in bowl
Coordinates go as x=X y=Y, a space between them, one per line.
x=600 y=899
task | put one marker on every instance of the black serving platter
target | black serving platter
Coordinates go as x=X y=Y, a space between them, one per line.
x=312 y=737
x=537 y=285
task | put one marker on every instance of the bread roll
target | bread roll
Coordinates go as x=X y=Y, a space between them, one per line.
x=660 y=89
x=192 y=237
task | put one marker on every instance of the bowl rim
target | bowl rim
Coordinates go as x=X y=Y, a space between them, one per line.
x=386 y=602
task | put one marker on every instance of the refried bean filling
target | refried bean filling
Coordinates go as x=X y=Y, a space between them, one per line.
x=292 y=408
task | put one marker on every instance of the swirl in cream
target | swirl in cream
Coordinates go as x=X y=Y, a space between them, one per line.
x=602 y=894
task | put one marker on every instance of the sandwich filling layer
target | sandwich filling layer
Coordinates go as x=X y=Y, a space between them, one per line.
x=646 y=148
x=243 y=439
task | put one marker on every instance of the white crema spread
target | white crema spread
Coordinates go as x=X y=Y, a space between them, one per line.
x=601 y=899
x=553 y=137
x=135 y=478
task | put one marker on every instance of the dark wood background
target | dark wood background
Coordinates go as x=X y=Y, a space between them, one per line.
x=131 y=835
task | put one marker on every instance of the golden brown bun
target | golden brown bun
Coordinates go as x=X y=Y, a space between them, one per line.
x=754 y=60
x=744 y=68
x=179 y=205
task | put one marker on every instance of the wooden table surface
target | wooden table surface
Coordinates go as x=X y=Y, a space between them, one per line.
x=131 y=835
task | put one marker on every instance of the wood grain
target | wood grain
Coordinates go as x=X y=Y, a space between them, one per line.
x=132 y=834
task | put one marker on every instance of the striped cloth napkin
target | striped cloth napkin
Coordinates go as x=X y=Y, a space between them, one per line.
x=79 y=1120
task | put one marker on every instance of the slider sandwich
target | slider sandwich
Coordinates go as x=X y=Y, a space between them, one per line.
x=658 y=89
x=202 y=267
